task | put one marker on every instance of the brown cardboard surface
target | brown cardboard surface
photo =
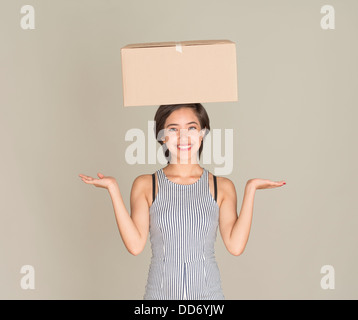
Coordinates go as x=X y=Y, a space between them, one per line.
x=179 y=72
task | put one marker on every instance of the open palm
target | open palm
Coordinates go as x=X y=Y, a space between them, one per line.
x=102 y=182
x=266 y=183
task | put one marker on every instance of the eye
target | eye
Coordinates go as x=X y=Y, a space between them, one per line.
x=170 y=129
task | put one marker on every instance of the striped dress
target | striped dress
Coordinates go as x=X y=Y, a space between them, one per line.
x=183 y=226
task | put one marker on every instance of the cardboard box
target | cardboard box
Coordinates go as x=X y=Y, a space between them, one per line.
x=179 y=72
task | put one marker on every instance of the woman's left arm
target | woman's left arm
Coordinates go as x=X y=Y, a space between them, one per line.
x=235 y=229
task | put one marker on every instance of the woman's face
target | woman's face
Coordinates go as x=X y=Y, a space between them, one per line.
x=183 y=136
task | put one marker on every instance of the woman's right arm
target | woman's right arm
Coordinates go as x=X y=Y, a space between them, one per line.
x=133 y=228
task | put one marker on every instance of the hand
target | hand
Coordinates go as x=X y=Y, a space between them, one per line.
x=265 y=183
x=102 y=182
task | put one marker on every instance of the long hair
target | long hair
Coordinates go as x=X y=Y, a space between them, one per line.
x=164 y=111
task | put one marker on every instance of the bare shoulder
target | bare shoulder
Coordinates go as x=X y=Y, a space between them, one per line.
x=141 y=179
x=143 y=184
x=226 y=182
x=226 y=186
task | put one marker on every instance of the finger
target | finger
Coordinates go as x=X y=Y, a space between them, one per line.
x=88 y=178
x=88 y=181
x=84 y=176
x=275 y=184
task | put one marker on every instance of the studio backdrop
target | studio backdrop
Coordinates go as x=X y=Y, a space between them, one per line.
x=62 y=114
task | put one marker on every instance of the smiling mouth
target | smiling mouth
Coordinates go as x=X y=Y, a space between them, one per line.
x=184 y=147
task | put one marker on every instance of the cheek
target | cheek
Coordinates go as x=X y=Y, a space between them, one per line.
x=169 y=136
x=195 y=137
x=171 y=142
x=172 y=138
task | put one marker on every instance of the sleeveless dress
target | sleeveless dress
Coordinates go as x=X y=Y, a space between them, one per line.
x=183 y=227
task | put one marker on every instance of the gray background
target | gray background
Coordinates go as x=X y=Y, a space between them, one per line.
x=62 y=114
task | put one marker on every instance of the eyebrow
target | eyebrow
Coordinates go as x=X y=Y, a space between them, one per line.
x=175 y=124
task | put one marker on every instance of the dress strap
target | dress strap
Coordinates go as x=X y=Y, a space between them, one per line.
x=153 y=179
x=215 y=187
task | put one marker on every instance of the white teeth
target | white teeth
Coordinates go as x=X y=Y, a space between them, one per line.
x=184 y=147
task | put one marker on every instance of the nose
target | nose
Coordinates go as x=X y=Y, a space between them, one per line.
x=183 y=136
x=183 y=132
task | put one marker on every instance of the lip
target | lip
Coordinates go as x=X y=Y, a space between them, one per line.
x=184 y=149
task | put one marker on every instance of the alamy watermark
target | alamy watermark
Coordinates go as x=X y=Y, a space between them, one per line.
x=328 y=20
x=27 y=21
x=145 y=149
x=328 y=280
x=28 y=280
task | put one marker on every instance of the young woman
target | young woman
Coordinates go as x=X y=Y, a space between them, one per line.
x=182 y=205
